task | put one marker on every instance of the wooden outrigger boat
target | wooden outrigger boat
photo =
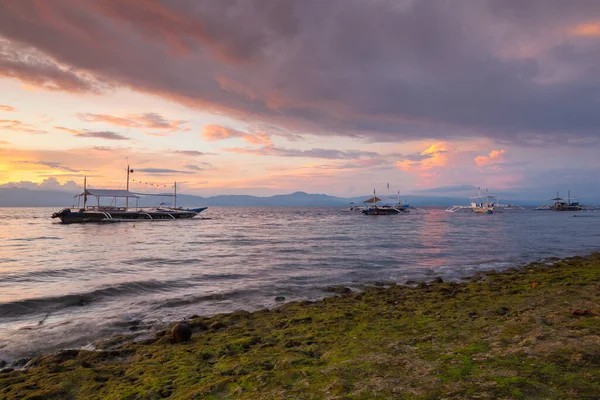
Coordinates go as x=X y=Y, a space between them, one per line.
x=117 y=213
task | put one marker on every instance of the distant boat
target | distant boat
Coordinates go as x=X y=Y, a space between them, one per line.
x=116 y=213
x=354 y=207
x=559 y=204
x=374 y=206
x=480 y=204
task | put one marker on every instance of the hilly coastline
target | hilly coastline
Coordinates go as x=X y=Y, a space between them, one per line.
x=22 y=197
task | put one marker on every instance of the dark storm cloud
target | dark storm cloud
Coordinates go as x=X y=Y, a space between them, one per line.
x=382 y=70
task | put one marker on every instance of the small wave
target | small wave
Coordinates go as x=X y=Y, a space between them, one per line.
x=191 y=299
x=162 y=261
x=51 y=304
x=44 y=273
x=29 y=239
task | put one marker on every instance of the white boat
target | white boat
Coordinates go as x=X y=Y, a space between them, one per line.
x=480 y=204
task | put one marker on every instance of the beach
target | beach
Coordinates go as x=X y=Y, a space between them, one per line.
x=525 y=332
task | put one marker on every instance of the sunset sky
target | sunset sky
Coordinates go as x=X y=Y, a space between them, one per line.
x=266 y=97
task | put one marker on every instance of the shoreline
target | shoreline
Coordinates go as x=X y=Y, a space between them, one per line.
x=482 y=336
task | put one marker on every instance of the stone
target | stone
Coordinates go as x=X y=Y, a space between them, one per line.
x=438 y=279
x=2 y=363
x=21 y=361
x=279 y=298
x=338 y=289
x=182 y=332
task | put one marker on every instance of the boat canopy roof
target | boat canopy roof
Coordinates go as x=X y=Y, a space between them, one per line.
x=373 y=199
x=108 y=193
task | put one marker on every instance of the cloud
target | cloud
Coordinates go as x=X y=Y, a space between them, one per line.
x=495 y=156
x=448 y=189
x=303 y=66
x=356 y=164
x=6 y=108
x=160 y=171
x=19 y=126
x=40 y=70
x=312 y=153
x=71 y=131
x=101 y=135
x=432 y=157
x=213 y=133
x=50 y=164
x=148 y=120
x=193 y=167
x=107 y=148
x=90 y=134
x=586 y=29
x=4 y=141
x=189 y=153
x=50 y=183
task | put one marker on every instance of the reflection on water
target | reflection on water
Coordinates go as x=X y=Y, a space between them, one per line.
x=86 y=281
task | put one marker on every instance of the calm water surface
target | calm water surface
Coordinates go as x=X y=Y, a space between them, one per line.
x=68 y=285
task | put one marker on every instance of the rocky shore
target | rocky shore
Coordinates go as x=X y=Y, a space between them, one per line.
x=528 y=332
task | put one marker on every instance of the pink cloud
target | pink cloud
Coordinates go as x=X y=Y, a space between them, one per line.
x=93 y=134
x=213 y=133
x=305 y=66
x=6 y=108
x=149 y=120
x=39 y=70
x=330 y=154
x=495 y=156
x=19 y=126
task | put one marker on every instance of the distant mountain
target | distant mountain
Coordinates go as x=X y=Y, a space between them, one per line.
x=20 y=197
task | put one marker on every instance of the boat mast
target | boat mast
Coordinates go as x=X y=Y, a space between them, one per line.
x=569 y=197
x=127 y=198
x=175 y=202
x=84 y=191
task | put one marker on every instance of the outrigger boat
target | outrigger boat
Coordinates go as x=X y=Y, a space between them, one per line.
x=116 y=213
x=480 y=204
x=559 y=204
x=373 y=208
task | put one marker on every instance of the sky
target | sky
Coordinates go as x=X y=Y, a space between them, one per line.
x=266 y=97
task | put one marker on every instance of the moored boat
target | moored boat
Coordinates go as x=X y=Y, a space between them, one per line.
x=115 y=212
x=571 y=203
x=480 y=204
x=374 y=206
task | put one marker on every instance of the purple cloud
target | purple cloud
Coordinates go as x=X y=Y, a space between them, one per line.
x=312 y=153
x=101 y=135
x=412 y=70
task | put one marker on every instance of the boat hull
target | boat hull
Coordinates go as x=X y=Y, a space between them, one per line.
x=79 y=217
x=380 y=211
x=561 y=207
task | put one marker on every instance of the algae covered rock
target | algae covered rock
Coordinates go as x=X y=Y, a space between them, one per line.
x=182 y=332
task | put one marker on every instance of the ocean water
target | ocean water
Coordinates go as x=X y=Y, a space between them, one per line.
x=65 y=286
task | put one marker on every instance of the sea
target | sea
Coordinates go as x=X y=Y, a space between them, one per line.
x=68 y=286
